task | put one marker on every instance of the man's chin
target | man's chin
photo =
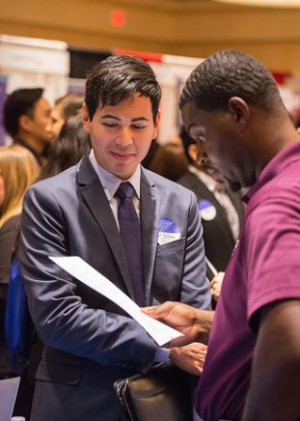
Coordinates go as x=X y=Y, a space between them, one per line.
x=215 y=174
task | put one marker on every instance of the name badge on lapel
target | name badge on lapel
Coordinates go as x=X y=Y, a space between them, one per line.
x=207 y=210
x=168 y=231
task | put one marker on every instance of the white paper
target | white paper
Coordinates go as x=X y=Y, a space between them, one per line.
x=167 y=237
x=85 y=273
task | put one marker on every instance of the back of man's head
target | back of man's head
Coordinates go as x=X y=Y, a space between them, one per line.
x=65 y=107
x=227 y=74
x=70 y=105
x=117 y=78
x=19 y=102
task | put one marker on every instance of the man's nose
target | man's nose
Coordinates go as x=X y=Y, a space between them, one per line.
x=124 y=137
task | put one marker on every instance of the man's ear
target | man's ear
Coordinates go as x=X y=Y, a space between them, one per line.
x=156 y=124
x=239 y=110
x=193 y=152
x=25 y=123
x=85 y=118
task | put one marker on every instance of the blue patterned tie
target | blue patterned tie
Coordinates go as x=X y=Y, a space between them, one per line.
x=131 y=237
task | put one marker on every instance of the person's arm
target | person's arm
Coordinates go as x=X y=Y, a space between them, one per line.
x=275 y=380
x=186 y=352
x=189 y=358
x=194 y=323
x=61 y=317
x=216 y=285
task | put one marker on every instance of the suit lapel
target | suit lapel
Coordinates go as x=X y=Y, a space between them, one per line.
x=94 y=196
x=203 y=192
x=149 y=214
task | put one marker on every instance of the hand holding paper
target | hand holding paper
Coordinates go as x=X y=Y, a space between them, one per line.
x=85 y=273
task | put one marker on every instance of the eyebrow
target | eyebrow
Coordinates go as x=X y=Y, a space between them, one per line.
x=119 y=119
x=192 y=125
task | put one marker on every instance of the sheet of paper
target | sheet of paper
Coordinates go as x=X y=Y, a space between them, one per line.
x=85 y=273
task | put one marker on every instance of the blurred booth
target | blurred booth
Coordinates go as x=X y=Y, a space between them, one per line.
x=60 y=68
x=32 y=62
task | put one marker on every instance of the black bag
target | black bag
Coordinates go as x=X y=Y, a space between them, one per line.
x=162 y=393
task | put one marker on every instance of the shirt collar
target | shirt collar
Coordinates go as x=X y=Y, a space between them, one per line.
x=110 y=182
x=276 y=165
x=205 y=178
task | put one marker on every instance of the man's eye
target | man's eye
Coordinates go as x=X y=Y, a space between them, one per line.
x=109 y=124
x=137 y=127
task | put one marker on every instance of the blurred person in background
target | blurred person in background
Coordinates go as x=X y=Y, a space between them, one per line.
x=68 y=148
x=169 y=161
x=221 y=210
x=146 y=162
x=27 y=119
x=18 y=170
x=65 y=107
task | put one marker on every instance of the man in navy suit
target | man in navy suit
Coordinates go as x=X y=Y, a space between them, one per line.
x=89 y=341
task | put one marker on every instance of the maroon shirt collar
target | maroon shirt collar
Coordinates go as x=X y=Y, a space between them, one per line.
x=278 y=163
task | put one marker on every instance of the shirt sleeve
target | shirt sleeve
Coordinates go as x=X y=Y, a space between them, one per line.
x=162 y=355
x=272 y=253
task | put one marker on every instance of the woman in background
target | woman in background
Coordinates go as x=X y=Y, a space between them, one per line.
x=169 y=161
x=18 y=170
x=68 y=148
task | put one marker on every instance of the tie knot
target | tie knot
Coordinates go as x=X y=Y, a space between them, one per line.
x=125 y=191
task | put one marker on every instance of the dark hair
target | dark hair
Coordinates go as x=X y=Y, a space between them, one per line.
x=70 y=104
x=117 y=78
x=186 y=142
x=20 y=102
x=231 y=73
x=68 y=148
x=169 y=161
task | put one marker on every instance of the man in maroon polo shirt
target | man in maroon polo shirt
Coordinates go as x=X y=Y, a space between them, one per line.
x=232 y=107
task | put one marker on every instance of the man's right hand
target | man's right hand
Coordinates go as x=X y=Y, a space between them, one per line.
x=195 y=324
x=189 y=358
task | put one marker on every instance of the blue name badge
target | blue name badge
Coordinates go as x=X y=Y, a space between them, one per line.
x=168 y=231
x=207 y=210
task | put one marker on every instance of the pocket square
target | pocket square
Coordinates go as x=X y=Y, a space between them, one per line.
x=168 y=231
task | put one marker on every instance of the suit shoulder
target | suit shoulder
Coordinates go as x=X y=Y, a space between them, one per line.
x=55 y=184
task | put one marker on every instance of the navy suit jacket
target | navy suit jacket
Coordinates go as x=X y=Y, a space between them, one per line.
x=89 y=341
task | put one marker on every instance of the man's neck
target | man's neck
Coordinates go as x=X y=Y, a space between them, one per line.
x=38 y=156
x=33 y=143
x=278 y=138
